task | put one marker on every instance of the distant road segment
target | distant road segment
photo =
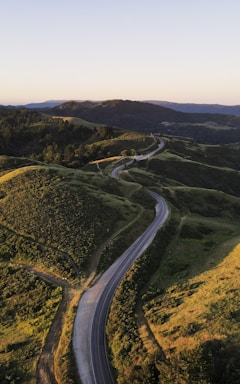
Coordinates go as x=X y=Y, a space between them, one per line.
x=115 y=171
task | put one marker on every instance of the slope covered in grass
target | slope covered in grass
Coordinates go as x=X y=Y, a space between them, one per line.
x=196 y=322
x=183 y=313
x=28 y=306
x=58 y=218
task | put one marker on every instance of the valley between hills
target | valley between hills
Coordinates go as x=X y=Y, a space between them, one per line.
x=175 y=316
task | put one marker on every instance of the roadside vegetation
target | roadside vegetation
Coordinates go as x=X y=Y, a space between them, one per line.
x=181 y=323
x=28 y=307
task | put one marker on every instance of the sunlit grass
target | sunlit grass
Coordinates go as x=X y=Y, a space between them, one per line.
x=203 y=312
x=28 y=306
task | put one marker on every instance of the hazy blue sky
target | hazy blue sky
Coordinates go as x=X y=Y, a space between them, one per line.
x=175 y=50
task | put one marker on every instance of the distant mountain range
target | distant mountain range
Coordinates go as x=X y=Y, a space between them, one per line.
x=200 y=108
x=136 y=115
x=148 y=117
x=45 y=104
x=152 y=117
x=206 y=123
x=120 y=113
x=180 y=107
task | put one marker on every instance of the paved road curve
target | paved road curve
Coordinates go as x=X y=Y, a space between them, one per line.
x=115 y=172
x=101 y=371
x=89 y=341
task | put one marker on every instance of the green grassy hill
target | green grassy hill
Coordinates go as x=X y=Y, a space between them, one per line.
x=28 y=307
x=182 y=319
x=58 y=217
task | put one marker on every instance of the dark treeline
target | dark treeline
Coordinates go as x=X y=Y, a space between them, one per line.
x=53 y=140
x=203 y=134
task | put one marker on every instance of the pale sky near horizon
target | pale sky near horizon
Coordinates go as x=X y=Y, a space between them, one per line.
x=173 y=50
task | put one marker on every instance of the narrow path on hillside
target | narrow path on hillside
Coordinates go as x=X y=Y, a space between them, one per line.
x=45 y=368
x=44 y=246
x=49 y=278
x=45 y=371
x=146 y=334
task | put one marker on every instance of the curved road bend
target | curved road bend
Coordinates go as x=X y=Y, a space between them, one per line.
x=115 y=172
x=89 y=343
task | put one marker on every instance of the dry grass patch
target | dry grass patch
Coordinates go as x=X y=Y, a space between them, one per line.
x=201 y=309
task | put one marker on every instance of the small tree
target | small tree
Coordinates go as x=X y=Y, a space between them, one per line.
x=69 y=153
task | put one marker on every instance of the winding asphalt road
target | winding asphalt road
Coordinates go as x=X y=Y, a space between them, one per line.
x=89 y=342
x=115 y=172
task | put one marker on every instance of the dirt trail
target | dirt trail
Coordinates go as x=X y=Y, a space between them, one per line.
x=45 y=368
x=145 y=332
x=42 y=245
x=45 y=372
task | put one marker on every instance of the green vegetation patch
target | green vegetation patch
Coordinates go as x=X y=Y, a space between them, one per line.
x=28 y=306
x=63 y=140
x=196 y=174
x=196 y=322
x=200 y=243
x=58 y=218
x=189 y=300
x=226 y=156
x=202 y=201
x=53 y=209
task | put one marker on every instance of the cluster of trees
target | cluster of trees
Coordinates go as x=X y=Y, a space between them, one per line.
x=72 y=145
x=52 y=140
x=203 y=134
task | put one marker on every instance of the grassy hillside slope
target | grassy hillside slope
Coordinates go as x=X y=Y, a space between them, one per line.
x=181 y=323
x=59 y=218
x=28 y=307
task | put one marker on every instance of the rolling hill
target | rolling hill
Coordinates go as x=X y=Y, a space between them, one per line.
x=180 y=107
x=147 y=117
x=200 y=108
x=183 y=303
